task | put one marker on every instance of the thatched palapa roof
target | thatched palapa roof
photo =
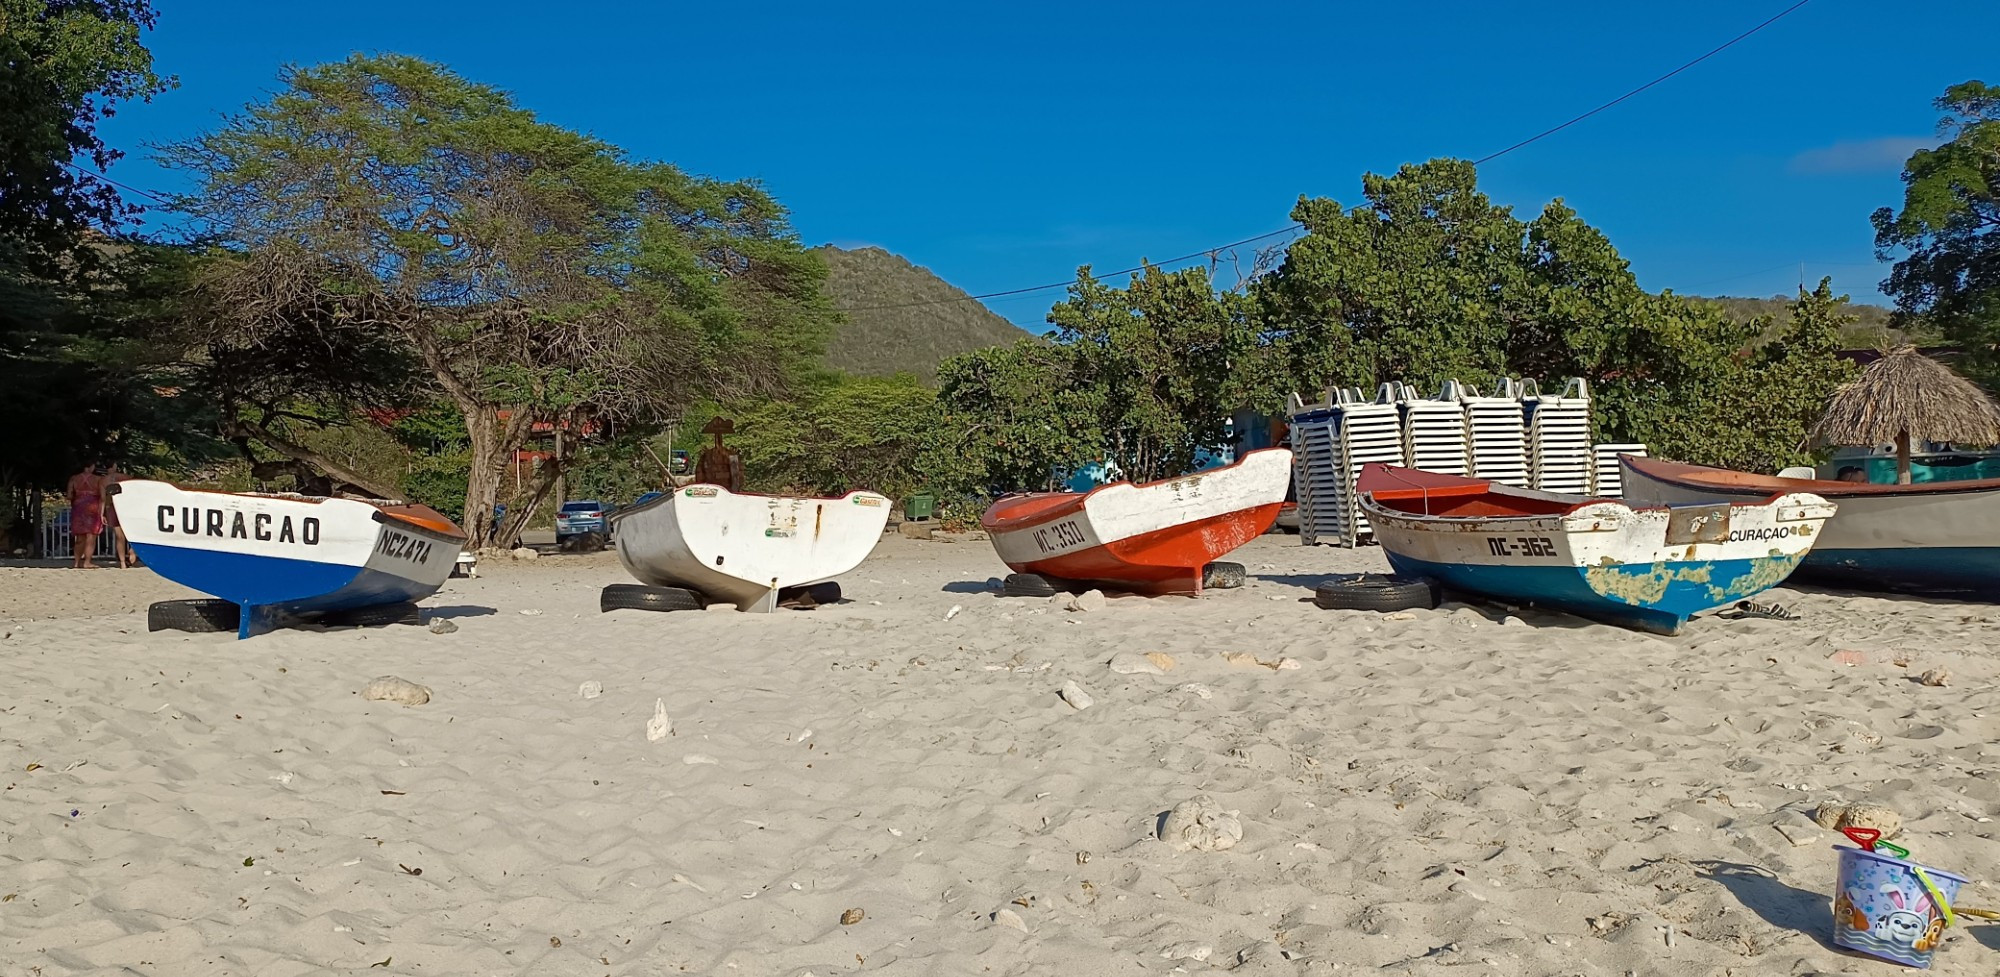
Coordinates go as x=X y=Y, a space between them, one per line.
x=1906 y=391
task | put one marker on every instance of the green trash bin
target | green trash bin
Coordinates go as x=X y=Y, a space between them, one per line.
x=921 y=506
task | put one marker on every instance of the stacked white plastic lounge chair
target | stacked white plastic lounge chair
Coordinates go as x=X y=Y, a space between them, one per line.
x=1325 y=508
x=1607 y=481
x=1559 y=456
x=1434 y=431
x=1372 y=433
x=1495 y=432
x=1331 y=440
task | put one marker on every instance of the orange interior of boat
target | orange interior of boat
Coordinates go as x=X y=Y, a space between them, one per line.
x=423 y=516
x=1473 y=500
x=1006 y=513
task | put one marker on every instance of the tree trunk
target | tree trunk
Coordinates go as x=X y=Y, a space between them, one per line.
x=561 y=486
x=1903 y=458
x=482 y=483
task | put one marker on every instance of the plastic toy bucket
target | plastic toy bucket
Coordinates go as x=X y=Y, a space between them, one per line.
x=1881 y=906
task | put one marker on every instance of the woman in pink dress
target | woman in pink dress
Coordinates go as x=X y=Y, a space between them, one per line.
x=86 y=513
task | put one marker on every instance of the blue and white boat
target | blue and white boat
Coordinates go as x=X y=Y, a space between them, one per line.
x=1644 y=568
x=287 y=557
x=1931 y=537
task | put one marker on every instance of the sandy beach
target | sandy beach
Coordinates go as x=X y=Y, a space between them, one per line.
x=1459 y=791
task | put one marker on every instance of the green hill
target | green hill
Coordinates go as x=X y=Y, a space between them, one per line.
x=1870 y=329
x=905 y=318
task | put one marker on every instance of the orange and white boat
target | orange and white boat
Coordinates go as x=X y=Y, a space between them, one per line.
x=1151 y=538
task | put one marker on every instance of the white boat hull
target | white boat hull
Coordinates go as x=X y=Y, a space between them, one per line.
x=744 y=549
x=282 y=557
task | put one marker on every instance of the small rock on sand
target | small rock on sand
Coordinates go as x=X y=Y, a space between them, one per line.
x=1089 y=600
x=1010 y=919
x=1133 y=663
x=389 y=688
x=524 y=553
x=1187 y=950
x=1834 y=817
x=1198 y=689
x=852 y=916
x=590 y=690
x=1200 y=824
x=442 y=626
x=1078 y=699
x=1936 y=678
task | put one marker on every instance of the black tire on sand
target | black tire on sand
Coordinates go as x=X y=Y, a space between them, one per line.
x=640 y=597
x=200 y=616
x=1376 y=592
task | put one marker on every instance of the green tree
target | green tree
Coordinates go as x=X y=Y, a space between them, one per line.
x=844 y=433
x=1429 y=280
x=1949 y=228
x=1141 y=378
x=529 y=274
x=65 y=65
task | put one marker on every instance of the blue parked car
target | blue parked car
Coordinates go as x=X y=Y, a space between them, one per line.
x=581 y=518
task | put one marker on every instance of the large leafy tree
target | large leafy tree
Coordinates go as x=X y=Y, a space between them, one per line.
x=1141 y=378
x=65 y=65
x=842 y=434
x=1949 y=228
x=64 y=374
x=1429 y=280
x=385 y=211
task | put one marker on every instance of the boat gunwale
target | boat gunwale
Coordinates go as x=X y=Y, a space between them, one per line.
x=1687 y=478
x=383 y=508
x=1077 y=500
x=665 y=497
x=1507 y=491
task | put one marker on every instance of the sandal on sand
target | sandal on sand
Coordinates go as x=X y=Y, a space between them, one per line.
x=1751 y=608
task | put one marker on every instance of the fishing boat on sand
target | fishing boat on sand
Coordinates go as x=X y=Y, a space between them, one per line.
x=1152 y=538
x=1928 y=537
x=1644 y=568
x=704 y=544
x=286 y=558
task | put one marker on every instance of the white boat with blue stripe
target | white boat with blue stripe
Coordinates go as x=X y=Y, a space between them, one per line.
x=285 y=558
x=1645 y=568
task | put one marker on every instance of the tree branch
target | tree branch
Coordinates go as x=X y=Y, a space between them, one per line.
x=240 y=429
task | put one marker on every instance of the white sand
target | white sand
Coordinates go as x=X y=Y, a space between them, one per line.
x=1447 y=794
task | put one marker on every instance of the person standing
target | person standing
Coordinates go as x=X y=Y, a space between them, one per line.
x=86 y=514
x=120 y=546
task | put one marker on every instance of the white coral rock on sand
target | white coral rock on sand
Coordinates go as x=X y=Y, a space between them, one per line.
x=1200 y=824
x=1010 y=919
x=1133 y=663
x=590 y=690
x=389 y=688
x=1078 y=699
x=661 y=725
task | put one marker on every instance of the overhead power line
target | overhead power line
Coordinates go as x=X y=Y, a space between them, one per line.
x=1205 y=252
x=1712 y=52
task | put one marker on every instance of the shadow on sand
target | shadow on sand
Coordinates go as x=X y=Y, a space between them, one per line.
x=1776 y=903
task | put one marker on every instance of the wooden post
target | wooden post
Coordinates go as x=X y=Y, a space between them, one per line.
x=1903 y=458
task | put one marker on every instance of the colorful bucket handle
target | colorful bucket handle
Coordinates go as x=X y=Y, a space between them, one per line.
x=1937 y=898
x=1870 y=839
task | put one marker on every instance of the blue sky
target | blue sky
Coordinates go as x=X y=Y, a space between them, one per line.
x=1003 y=145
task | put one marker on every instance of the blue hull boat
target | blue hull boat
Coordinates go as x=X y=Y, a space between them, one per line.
x=287 y=558
x=1650 y=569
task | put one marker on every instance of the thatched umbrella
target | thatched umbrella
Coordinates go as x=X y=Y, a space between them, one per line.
x=1906 y=394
